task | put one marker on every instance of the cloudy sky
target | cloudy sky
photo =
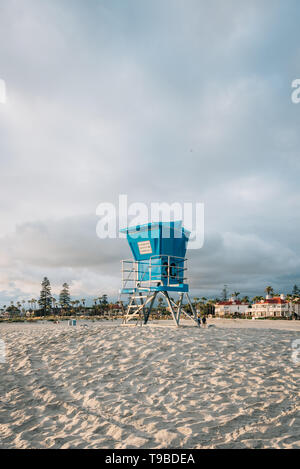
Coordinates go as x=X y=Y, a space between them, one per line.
x=165 y=101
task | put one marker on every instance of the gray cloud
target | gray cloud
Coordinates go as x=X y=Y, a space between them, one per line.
x=69 y=250
x=163 y=101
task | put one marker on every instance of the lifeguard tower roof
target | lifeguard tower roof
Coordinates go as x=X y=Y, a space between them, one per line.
x=156 y=239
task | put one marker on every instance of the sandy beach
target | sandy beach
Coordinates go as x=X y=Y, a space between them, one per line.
x=231 y=385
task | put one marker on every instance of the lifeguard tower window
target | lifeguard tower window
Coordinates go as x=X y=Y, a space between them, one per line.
x=173 y=270
x=165 y=270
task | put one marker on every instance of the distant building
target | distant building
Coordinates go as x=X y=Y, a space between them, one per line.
x=115 y=309
x=232 y=306
x=296 y=307
x=277 y=306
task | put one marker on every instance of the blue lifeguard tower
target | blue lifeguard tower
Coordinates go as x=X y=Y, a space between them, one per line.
x=158 y=267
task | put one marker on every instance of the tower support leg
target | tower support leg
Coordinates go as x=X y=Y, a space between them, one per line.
x=147 y=313
x=166 y=295
x=193 y=316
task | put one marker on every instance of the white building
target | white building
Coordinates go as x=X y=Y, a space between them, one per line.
x=232 y=306
x=277 y=306
x=296 y=307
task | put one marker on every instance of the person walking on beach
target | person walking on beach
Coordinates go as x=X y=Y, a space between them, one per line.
x=204 y=321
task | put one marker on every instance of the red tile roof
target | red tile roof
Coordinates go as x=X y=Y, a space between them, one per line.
x=275 y=300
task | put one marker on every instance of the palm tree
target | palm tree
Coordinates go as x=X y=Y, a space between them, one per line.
x=95 y=305
x=269 y=290
x=196 y=299
x=245 y=299
x=19 y=305
x=83 y=304
x=211 y=306
x=160 y=304
x=256 y=299
x=73 y=303
x=236 y=294
x=102 y=304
